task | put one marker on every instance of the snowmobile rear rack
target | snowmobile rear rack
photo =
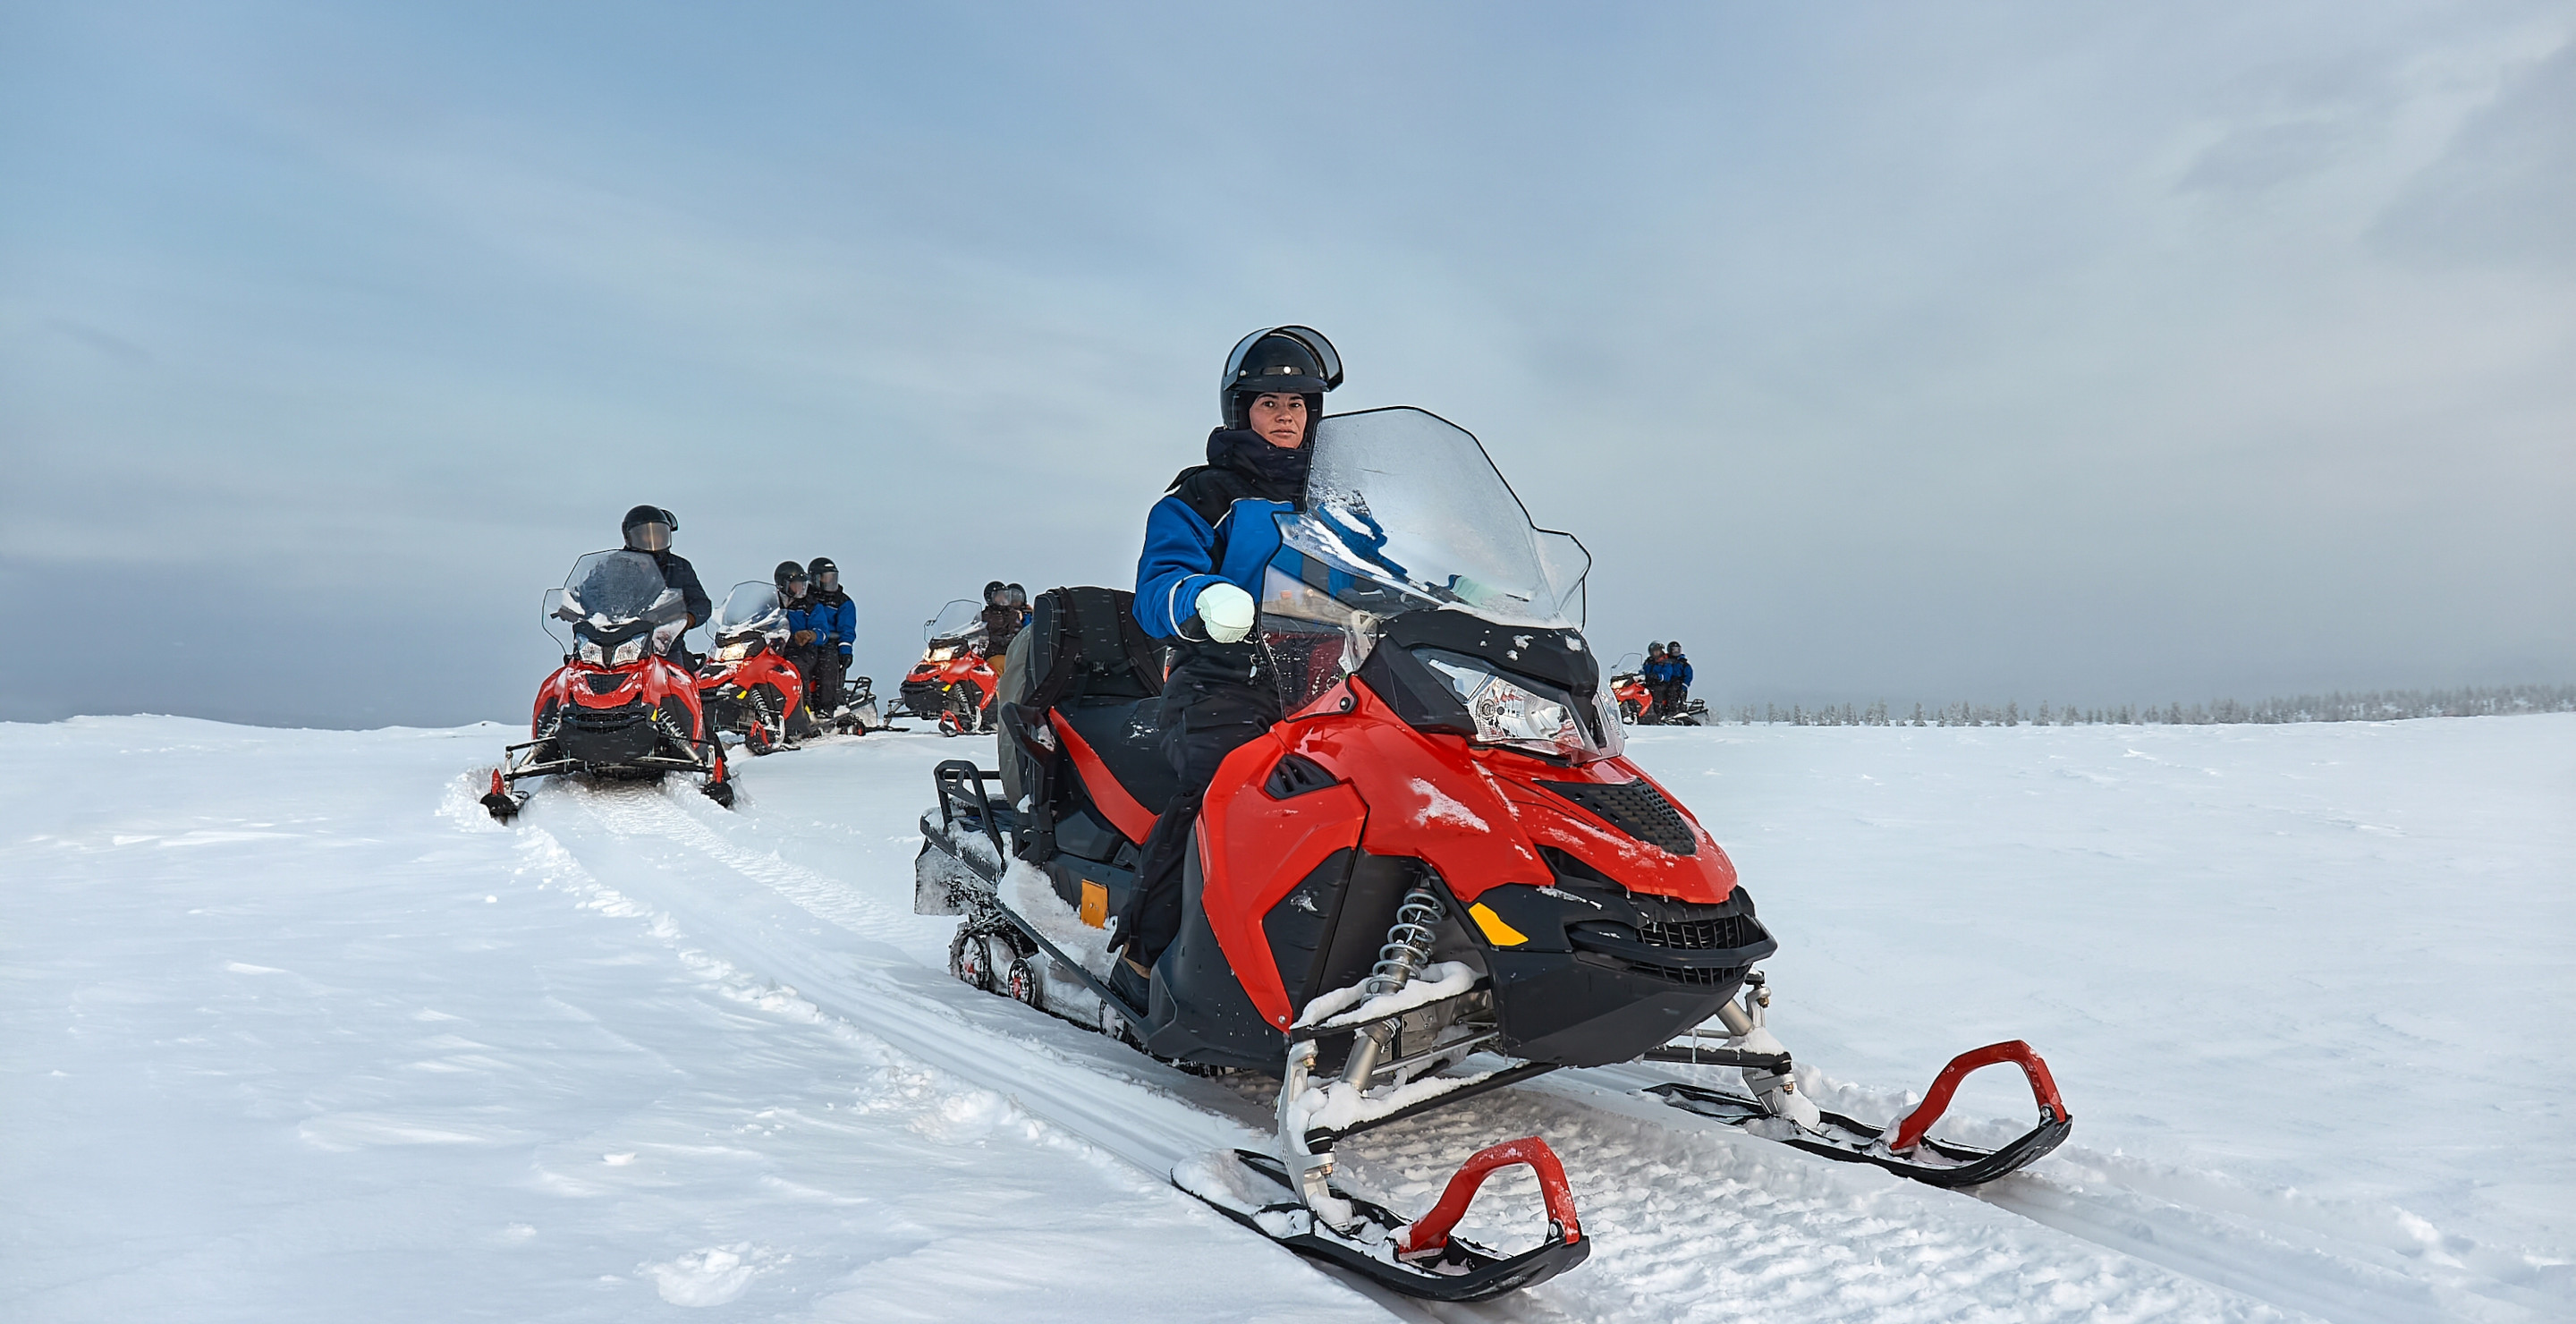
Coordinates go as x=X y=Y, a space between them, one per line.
x=1901 y=1146
x=962 y=799
x=1421 y=1258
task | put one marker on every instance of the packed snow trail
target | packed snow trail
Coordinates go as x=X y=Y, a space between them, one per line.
x=1689 y=1219
x=288 y=1056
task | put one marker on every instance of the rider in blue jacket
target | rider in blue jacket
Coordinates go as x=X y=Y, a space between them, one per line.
x=836 y=631
x=1206 y=545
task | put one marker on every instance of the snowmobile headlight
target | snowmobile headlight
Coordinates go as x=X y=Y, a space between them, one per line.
x=1511 y=711
x=630 y=651
x=734 y=652
x=941 y=654
x=591 y=653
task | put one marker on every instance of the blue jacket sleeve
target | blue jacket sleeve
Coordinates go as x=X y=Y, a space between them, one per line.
x=1177 y=565
x=1682 y=673
x=845 y=626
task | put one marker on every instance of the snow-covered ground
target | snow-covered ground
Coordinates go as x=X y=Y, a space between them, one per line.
x=290 y=1031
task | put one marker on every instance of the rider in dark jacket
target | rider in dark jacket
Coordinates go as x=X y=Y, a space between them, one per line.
x=1206 y=543
x=1002 y=618
x=648 y=529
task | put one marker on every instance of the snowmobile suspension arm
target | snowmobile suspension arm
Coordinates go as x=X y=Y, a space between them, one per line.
x=1908 y=1132
x=1322 y=1138
x=1431 y=1231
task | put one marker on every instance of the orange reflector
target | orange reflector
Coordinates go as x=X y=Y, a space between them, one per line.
x=1496 y=931
x=1095 y=904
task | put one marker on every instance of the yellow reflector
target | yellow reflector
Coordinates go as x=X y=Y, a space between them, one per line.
x=1095 y=904
x=1496 y=931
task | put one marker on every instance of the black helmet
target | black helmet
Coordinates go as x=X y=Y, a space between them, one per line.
x=1014 y=596
x=786 y=573
x=648 y=529
x=820 y=566
x=1673 y=647
x=1277 y=359
x=993 y=593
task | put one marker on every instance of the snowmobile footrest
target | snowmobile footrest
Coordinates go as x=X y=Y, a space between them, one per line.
x=1374 y=1244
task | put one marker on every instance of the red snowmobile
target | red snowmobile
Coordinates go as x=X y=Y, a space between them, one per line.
x=1437 y=877
x=617 y=707
x=1635 y=697
x=745 y=684
x=955 y=680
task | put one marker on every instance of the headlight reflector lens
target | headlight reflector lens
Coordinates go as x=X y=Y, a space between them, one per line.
x=1512 y=711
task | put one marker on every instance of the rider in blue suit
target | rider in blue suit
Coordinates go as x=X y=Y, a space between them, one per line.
x=1207 y=543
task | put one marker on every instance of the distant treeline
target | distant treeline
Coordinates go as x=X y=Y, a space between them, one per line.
x=2371 y=706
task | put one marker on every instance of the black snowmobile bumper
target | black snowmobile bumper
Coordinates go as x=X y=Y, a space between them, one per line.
x=1419 y=1258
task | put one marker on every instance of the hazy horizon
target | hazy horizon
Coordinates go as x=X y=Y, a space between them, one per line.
x=1989 y=353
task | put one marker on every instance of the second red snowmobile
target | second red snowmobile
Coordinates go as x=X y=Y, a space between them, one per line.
x=1439 y=876
x=745 y=683
x=955 y=680
x=618 y=707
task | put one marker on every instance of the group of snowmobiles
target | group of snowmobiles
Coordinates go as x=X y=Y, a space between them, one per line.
x=625 y=705
x=1439 y=876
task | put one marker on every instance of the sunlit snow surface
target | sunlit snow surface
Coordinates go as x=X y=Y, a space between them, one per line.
x=290 y=1031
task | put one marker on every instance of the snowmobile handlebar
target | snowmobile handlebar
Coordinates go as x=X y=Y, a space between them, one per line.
x=1908 y=1132
x=1431 y=1231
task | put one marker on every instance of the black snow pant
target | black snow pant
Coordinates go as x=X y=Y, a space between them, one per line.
x=823 y=683
x=1217 y=698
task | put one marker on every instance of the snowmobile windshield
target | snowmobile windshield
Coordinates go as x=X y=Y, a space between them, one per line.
x=1405 y=512
x=619 y=608
x=956 y=622
x=751 y=610
x=611 y=589
x=1409 y=535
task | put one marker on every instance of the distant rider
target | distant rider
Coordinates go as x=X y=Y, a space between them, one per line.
x=798 y=603
x=836 y=633
x=648 y=529
x=1655 y=674
x=1677 y=679
x=1206 y=544
x=1002 y=618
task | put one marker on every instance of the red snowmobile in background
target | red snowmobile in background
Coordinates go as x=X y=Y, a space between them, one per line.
x=1635 y=697
x=617 y=707
x=745 y=683
x=955 y=680
x=1438 y=876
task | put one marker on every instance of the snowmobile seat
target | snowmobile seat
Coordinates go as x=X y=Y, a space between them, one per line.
x=1126 y=736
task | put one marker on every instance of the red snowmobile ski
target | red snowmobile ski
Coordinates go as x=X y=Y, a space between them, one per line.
x=745 y=684
x=1438 y=876
x=617 y=707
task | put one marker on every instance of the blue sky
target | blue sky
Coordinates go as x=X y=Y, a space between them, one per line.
x=2069 y=352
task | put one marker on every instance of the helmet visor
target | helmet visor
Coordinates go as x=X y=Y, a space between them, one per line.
x=649 y=536
x=829 y=580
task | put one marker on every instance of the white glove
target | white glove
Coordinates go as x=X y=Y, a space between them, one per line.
x=1226 y=611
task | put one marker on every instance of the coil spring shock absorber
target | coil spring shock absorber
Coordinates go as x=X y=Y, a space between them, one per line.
x=1407 y=951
